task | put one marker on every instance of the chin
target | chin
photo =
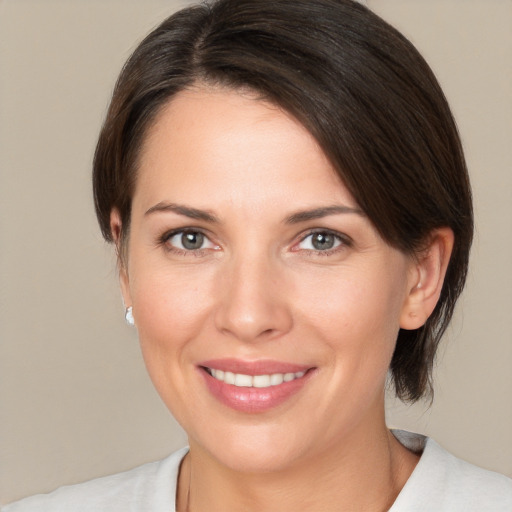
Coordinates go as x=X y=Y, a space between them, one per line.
x=256 y=450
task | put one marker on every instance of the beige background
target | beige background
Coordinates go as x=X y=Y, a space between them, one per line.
x=75 y=401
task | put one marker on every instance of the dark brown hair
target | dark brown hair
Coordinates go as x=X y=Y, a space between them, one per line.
x=359 y=87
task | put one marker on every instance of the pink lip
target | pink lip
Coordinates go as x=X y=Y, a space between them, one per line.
x=253 y=400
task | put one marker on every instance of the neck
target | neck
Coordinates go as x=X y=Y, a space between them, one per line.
x=364 y=471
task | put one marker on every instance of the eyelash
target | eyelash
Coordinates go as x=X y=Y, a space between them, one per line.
x=343 y=242
x=168 y=235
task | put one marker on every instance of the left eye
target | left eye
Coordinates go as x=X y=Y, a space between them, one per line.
x=320 y=241
x=190 y=241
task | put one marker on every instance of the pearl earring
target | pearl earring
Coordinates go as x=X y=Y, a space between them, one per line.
x=128 y=315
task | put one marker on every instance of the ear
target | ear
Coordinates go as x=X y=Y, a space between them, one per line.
x=116 y=230
x=427 y=278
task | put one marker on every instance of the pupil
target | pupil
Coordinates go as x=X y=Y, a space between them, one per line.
x=323 y=241
x=192 y=240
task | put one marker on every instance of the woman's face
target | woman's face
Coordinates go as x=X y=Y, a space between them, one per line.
x=250 y=262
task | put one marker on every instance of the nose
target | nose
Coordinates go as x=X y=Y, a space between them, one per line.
x=253 y=301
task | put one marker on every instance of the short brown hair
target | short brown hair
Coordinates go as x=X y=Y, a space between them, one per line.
x=359 y=87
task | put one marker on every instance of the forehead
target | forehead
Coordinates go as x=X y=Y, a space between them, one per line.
x=227 y=144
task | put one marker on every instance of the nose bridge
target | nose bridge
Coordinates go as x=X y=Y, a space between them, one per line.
x=253 y=303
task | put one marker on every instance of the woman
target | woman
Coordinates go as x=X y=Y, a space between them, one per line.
x=286 y=190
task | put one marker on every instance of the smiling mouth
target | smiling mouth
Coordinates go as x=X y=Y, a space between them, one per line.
x=253 y=381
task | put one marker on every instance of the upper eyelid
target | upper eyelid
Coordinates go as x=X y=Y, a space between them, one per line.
x=346 y=241
x=313 y=231
x=172 y=232
x=164 y=238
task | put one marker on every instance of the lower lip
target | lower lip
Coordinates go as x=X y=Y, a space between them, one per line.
x=253 y=400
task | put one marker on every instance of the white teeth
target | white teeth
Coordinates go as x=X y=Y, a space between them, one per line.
x=229 y=378
x=243 y=381
x=256 y=381
x=261 y=381
x=276 y=379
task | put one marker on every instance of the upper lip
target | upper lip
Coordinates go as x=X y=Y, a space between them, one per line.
x=259 y=367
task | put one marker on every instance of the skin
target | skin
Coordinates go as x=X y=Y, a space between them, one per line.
x=258 y=289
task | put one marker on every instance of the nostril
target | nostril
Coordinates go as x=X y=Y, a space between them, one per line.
x=251 y=310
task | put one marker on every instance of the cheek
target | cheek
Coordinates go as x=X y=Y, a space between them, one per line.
x=170 y=308
x=355 y=316
x=355 y=306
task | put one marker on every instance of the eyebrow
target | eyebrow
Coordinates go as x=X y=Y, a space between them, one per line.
x=295 y=218
x=318 y=213
x=186 y=211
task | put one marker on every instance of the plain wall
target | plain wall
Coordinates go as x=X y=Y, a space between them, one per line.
x=75 y=401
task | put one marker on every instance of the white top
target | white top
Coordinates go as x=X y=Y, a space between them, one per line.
x=440 y=482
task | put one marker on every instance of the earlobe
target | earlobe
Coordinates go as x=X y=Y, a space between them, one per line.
x=124 y=283
x=427 y=279
x=116 y=230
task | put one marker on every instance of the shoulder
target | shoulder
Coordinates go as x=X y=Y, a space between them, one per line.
x=472 y=487
x=442 y=482
x=149 y=488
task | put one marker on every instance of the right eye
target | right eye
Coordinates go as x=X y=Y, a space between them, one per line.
x=188 y=241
